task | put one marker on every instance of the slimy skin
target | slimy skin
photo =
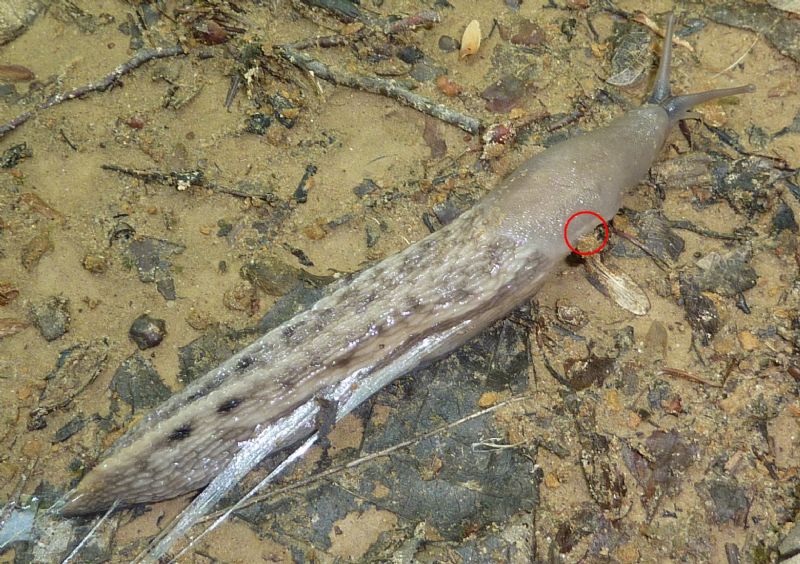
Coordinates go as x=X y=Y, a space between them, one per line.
x=406 y=311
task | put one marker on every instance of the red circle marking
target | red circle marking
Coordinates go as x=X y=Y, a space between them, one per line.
x=605 y=228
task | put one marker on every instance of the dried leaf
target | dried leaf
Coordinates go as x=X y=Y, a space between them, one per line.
x=16 y=73
x=471 y=40
x=618 y=286
x=10 y=326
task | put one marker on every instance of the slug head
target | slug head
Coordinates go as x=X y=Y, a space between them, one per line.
x=679 y=107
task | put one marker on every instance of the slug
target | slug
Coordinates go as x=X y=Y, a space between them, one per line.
x=407 y=310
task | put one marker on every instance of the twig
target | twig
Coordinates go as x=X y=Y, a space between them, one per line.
x=659 y=262
x=378 y=85
x=182 y=180
x=425 y=18
x=689 y=226
x=644 y=19
x=103 y=84
x=349 y=12
x=736 y=62
x=688 y=376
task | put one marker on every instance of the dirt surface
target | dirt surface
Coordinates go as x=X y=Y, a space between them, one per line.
x=673 y=435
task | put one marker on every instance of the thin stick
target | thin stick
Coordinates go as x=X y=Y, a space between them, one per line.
x=688 y=226
x=88 y=535
x=296 y=455
x=378 y=85
x=683 y=374
x=737 y=61
x=645 y=20
x=103 y=84
x=183 y=179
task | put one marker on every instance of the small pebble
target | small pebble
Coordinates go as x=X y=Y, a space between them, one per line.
x=258 y=124
x=147 y=332
x=410 y=54
x=447 y=86
x=570 y=314
x=52 y=317
x=425 y=72
x=367 y=186
x=241 y=297
x=96 y=264
x=488 y=399
x=448 y=44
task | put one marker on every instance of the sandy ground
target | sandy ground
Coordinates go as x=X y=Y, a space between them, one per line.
x=736 y=424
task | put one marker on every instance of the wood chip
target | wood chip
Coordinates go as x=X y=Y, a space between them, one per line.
x=10 y=326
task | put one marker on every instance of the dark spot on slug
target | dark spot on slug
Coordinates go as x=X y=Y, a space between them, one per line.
x=344 y=362
x=196 y=396
x=412 y=304
x=229 y=405
x=204 y=390
x=181 y=433
x=243 y=363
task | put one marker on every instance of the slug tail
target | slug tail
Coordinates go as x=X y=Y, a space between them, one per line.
x=679 y=107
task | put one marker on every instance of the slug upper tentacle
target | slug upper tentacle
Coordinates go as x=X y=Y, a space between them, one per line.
x=678 y=107
x=407 y=310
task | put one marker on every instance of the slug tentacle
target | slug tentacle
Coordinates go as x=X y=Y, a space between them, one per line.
x=661 y=87
x=679 y=107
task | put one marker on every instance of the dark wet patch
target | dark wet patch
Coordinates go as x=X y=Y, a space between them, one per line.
x=74 y=425
x=203 y=354
x=504 y=94
x=730 y=501
x=779 y=29
x=444 y=392
x=654 y=233
x=151 y=257
x=243 y=363
x=138 y=383
x=591 y=372
x=52 y=317
x=701 y=312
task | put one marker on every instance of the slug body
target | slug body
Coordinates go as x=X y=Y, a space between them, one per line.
x=407 y=310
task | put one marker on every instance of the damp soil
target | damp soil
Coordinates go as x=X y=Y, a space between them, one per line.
x=668 y=436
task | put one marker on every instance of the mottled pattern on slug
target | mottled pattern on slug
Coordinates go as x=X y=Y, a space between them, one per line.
x=462 y=273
